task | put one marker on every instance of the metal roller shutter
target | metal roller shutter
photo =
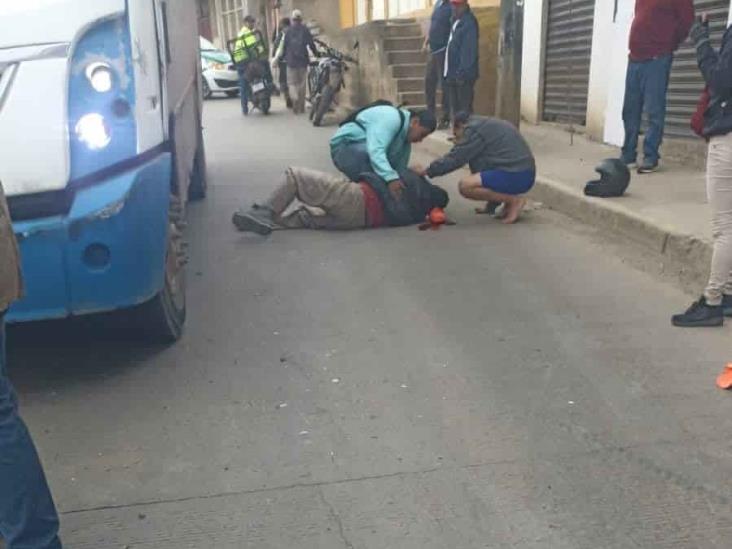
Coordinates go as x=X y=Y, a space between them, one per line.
x=567 y=65
x=686 y=82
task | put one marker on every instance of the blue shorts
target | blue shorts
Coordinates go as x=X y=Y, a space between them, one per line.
x=508 y=182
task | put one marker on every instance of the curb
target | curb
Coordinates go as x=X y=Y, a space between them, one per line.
x=685 y=256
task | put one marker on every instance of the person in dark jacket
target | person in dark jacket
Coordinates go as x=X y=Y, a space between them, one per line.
x=436 y=44
x=28 y=517
x=282 y=65
x=659 y=27
x=716 y=67
x=501 y=163
x=294 y=50
x=461 y=58
x=335 y=203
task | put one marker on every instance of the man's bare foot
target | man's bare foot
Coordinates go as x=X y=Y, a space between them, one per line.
x=513 y=210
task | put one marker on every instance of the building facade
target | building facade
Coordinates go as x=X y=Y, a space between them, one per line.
x=575 y=57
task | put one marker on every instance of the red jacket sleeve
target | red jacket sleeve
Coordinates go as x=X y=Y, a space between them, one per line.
x=685 y=13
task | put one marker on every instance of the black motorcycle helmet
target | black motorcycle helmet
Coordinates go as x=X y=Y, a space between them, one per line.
x=614 y=179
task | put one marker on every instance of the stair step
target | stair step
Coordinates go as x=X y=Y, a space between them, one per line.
x=407 y=57
x=408 y=43
x=412 y=70
x=403 y=31
x=410 y=84
x=412 y=98
x=401 y=21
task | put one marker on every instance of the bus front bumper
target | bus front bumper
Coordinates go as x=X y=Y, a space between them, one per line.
x=106 y=253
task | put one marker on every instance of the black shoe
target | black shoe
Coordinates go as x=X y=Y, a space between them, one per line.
x=727 y=305
x=444 y=124
x=256 y=220
x=648 y=167
x=700 y=315
x=630 y=162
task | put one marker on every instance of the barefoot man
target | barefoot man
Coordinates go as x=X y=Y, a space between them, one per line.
x=502 y=166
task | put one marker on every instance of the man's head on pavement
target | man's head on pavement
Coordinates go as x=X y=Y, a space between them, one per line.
x=421 y=124
x=439 y=197
x=459 y=7
x=459 y=122
x=296 y=17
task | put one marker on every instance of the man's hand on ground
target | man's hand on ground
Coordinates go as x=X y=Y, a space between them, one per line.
x=396 y=187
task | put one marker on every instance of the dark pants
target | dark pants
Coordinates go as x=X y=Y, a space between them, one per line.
x=243 y=90
x=283 y=83
x=461 y=96
x=433 y=78
x=646 y=84
x=352 y=159
x=28 y=518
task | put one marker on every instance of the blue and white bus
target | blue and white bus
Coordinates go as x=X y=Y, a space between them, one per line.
x=100 y=150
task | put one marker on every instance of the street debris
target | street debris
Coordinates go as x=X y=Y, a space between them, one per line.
x=303 y=433
x=403 y=386
x=282 y=405
x=336 y=380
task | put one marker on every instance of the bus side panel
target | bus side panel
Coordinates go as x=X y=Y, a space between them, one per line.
x=183 y=83
x=146 y=66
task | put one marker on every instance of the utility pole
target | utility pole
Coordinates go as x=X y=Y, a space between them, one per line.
x=510 y=47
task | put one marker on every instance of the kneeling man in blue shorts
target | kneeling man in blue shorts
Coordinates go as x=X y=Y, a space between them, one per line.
x=501 y=163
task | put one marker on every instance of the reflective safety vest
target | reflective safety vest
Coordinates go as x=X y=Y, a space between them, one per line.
x=248 y=46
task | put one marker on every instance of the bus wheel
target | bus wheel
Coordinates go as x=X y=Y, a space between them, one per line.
x=198 y=187
x=162 y=318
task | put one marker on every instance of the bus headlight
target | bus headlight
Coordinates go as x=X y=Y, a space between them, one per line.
x=100 y=77
x=92 y=130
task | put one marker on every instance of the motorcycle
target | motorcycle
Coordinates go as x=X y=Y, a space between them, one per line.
x=326 y=79
x=257 y=75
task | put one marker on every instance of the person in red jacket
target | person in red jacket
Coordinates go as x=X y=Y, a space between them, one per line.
x=659 y=28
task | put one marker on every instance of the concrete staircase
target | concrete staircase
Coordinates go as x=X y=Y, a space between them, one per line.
x=403 y=41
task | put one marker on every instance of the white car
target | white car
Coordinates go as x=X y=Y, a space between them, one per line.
x=219 y=73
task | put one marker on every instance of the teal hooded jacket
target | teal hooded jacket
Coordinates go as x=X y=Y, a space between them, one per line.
x=385 y=135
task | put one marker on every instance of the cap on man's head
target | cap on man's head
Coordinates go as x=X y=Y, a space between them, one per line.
x=297 y=15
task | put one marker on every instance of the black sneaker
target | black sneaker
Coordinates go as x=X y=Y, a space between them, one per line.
x=700 y=315
x=630 y=162
x=648 y=167
x=727 y=305
x=256 y=220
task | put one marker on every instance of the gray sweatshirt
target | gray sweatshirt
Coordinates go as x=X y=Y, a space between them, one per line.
x=487 y=144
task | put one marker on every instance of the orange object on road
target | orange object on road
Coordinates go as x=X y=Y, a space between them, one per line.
x=435 y=219
x=724 y=381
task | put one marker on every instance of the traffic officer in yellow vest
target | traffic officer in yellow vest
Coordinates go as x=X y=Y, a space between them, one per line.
x=27 y=514
x=250 y=46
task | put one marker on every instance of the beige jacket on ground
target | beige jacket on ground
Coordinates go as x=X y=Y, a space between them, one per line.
x=11 y=286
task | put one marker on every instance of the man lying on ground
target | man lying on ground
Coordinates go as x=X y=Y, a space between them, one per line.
x=333 y=202
x=501 y=163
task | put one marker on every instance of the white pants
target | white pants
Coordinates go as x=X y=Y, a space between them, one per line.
x=719 y=194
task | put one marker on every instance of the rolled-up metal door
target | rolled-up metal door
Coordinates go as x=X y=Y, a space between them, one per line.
x=686 y=82
x=567 y=64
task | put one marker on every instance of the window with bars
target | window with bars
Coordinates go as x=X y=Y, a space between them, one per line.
x=231 y=18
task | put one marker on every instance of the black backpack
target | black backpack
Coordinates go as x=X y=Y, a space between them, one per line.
x=351 y=118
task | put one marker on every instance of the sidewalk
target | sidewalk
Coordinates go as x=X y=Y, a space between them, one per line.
x=666 y=211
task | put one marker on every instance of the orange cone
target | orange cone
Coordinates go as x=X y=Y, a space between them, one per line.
x=724 y=381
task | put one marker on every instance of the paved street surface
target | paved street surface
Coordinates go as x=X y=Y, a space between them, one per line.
x=478 y=386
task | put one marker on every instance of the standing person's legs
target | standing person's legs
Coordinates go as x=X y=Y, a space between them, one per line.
x=283 y=85
x=296 y=81
x=352 y=159
x=243 y=91
x=654 y=94
x=719 y=193
x=431 y=80
x=632 y=111
x=445 y=119
x=467 y=93
x=28 y=517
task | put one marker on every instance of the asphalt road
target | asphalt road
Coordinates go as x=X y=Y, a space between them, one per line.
x=478 y=386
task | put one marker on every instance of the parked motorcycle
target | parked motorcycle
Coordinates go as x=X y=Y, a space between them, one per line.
x=326 y=79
